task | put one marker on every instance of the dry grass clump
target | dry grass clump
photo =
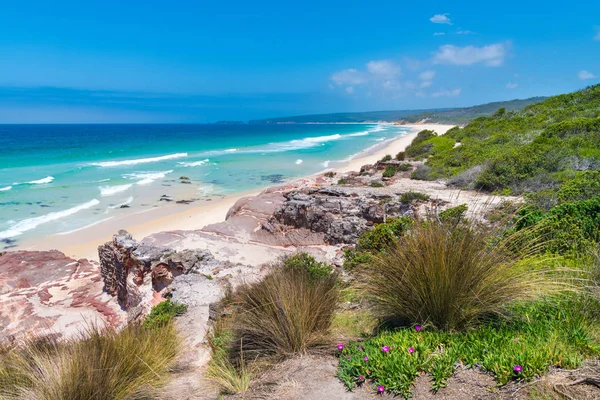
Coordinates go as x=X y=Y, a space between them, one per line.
x=288 y=312
x=99 y=365
x=451 y=275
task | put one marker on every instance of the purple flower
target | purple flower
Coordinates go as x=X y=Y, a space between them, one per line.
x=360 y=348
x=366 y=358
x=340 y=346
x=361 y=378
x=381 y=389
x=348 y=358
x=385 y=349
x=418 y=328
x=518 y=369
x=411 y=350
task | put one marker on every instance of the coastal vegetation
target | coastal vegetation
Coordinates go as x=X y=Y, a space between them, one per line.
x=97 y=364
x=542 y=147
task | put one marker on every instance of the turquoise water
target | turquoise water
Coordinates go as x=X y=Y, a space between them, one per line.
x=59 y=178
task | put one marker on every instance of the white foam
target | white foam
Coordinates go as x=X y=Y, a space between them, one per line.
x=231 y=150
x=32 y=223
x=5 y=189
x=326 y=164
x=194 y=164
x=128 y=201
x=85 y=227
x=138 y=161
x=146 y=177
x=318 y=139
x=364 y=133
x=112 y=190
x=299 y=161
x=47 y=179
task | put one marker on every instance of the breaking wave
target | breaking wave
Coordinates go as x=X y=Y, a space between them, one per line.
x=138 y=160
x=32 y=223
x=111 y=190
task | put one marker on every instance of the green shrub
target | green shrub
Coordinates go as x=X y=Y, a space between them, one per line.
x=422 y=173
x=390 y=171
x=386 y=158
x=410 y=196
x=453 y=215
x=342 y=181
x=305 y=262
x=449 y=276
x=540 y=336
x=329 y=174
x=401 y=156
x=377 y=184
x=427 y=143
x=581 y=186
x=375 y=240
x=569 y=227
x=286 y=313
x=382 y=235
x=354 y=258
x=163 y=313
x=108 y=364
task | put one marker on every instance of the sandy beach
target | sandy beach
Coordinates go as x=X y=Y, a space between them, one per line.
x=84 y=243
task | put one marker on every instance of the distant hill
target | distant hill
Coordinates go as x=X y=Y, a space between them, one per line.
x=458 y=116
x=462 y=116
x=370 y=116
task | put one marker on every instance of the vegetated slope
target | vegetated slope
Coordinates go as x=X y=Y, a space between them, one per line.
x=457 y=116
x=551 y=147
x=461 y=116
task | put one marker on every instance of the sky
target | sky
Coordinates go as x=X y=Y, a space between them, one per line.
x=199 y=61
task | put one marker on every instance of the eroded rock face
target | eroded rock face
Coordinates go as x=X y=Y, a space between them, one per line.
x=44 y=292
x=339 y=214
x=140 y=275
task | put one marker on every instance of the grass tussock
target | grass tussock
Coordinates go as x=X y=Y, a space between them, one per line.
x=231 y=377
x=289 y=312
x=108 y=364
x=450 y=275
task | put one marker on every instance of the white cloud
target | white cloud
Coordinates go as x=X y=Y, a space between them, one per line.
x=426 y=78
x=583 y=75
x=597 y=37
x=492 y=55
x=348 y=77
x=383 y=69
x=377 y=75
x=465 y=32
x=427 y=75
x=511 y=85
x=439 y=33
x=446 y=93
x=441 y=19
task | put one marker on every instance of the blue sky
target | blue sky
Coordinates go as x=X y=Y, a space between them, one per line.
x=200 y=61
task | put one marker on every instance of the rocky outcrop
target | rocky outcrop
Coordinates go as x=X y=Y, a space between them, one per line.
x=340 y=214
x=139 y=274
x=43 y=292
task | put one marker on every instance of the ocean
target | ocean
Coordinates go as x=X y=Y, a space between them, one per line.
x=57 y=179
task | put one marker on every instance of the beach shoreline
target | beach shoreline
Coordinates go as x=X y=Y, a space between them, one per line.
x=83 y=243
